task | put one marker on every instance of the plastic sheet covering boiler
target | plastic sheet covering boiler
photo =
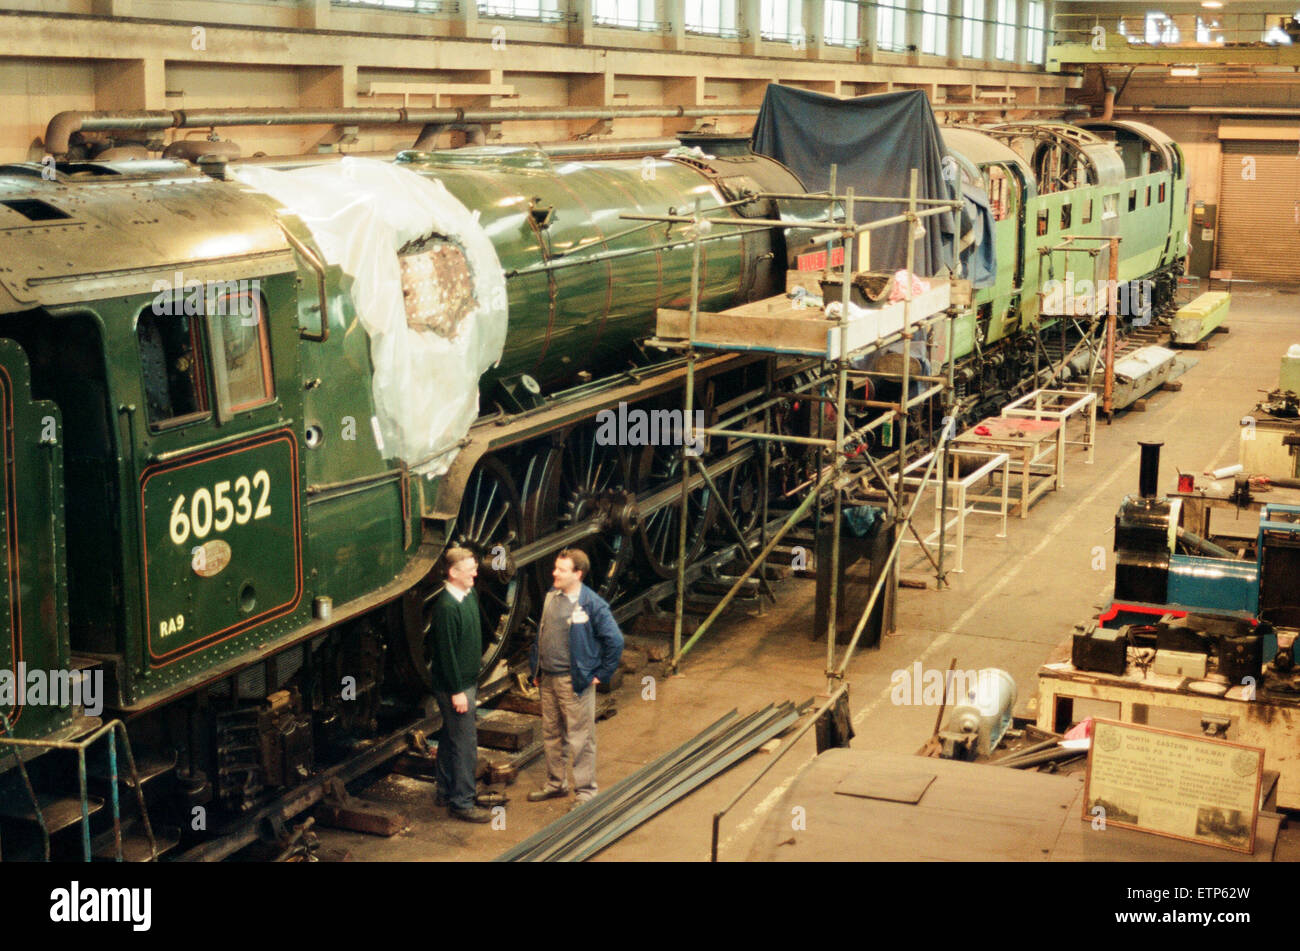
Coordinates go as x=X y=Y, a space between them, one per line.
x=432 y=333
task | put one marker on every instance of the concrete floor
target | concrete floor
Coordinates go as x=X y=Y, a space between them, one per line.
x=1018 y=597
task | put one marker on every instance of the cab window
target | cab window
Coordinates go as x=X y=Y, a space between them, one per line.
x=241 y=352
x=171 y=347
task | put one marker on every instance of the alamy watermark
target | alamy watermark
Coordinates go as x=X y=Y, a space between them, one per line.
x=654 y=427
x=1086 y=297
x=918 y=686
x=87 y=904
x=53 y=688
x=181 y=297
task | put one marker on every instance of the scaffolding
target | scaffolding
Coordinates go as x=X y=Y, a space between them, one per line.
x=761 y=327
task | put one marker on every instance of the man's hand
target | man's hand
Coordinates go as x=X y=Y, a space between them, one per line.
x=460 y=702
x=595 y=681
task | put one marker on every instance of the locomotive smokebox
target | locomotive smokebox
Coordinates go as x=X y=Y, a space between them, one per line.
x=1149 y=473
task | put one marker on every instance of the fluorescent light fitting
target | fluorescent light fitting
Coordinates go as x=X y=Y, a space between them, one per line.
x=1184 y=72
x=1212 y=4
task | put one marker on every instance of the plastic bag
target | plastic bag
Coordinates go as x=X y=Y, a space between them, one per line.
x=424 y=382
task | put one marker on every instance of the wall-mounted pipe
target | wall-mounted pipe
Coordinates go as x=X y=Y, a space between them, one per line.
x=59 y=131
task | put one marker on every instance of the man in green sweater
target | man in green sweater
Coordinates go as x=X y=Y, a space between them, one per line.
x=455 y=646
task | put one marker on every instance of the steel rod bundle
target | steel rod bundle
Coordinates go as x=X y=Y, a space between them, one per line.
x=612 y=814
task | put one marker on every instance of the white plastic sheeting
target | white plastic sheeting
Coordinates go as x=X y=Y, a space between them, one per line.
x=361 y=211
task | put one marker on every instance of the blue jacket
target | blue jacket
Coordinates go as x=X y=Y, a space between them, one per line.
x=595 y=645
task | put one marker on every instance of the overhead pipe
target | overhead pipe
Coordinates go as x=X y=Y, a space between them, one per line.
x=59 y=131
x=61 y=128
x=1274 y=111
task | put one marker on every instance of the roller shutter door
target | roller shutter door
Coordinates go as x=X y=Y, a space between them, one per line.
x=1259 y=220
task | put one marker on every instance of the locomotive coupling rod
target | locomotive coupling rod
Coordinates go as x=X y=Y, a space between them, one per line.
x=673 y=492
x=536 y=551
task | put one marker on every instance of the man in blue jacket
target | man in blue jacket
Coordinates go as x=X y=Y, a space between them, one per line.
x=578 y=646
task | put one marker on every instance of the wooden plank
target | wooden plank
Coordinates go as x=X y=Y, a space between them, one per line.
x=506 y=730
x=748 y=331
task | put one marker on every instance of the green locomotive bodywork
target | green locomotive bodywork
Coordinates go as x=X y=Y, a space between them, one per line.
x=213 y=506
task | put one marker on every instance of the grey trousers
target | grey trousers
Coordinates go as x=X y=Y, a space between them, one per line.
x=569 y=726
x=457 y=750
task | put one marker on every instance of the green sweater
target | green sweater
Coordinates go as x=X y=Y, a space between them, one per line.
x=455 y=642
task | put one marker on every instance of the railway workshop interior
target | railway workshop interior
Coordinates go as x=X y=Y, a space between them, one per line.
x=630 y=430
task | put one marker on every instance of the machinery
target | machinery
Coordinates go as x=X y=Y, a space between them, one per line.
x=981 y=718
x=1270 y=433
x=238 y=441
x=1245 y=612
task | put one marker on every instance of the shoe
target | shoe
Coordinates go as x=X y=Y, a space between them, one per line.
x=472 y=814
x=489 y=799
x=547 y=792
x=579 y=803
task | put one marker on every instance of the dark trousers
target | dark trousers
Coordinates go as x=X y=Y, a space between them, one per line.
x=457 y=751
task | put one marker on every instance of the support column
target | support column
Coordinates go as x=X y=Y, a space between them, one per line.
x=954 y=26
x=594 y=89
x=130 y=84
x=1022 y=34
x=328 y=87
x=990 y=30
x=465 y=22
x=111 y=8
x=868 y=24
x=314 y=14
x=814 y=29
x=675 y=15
x=580 y=30
x=750 y=15
x=682 y=91
x=912 y=30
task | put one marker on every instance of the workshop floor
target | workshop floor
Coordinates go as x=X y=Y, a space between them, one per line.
x=1018 y=597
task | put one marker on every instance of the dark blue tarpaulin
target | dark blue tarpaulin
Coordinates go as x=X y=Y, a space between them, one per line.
x=874 y=142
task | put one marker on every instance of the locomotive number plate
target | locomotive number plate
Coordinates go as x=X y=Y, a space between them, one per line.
x=222 y=544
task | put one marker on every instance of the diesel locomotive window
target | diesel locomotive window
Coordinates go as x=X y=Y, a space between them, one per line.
x=171 y=361
x=1087 y=212
x=1065 y=217
x=1042 y=221
x=998 y=189
x=241 y=352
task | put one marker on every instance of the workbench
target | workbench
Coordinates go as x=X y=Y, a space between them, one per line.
x=1032 y=445
x=1060 y=405
x=1273 y=724
x=962 y=496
